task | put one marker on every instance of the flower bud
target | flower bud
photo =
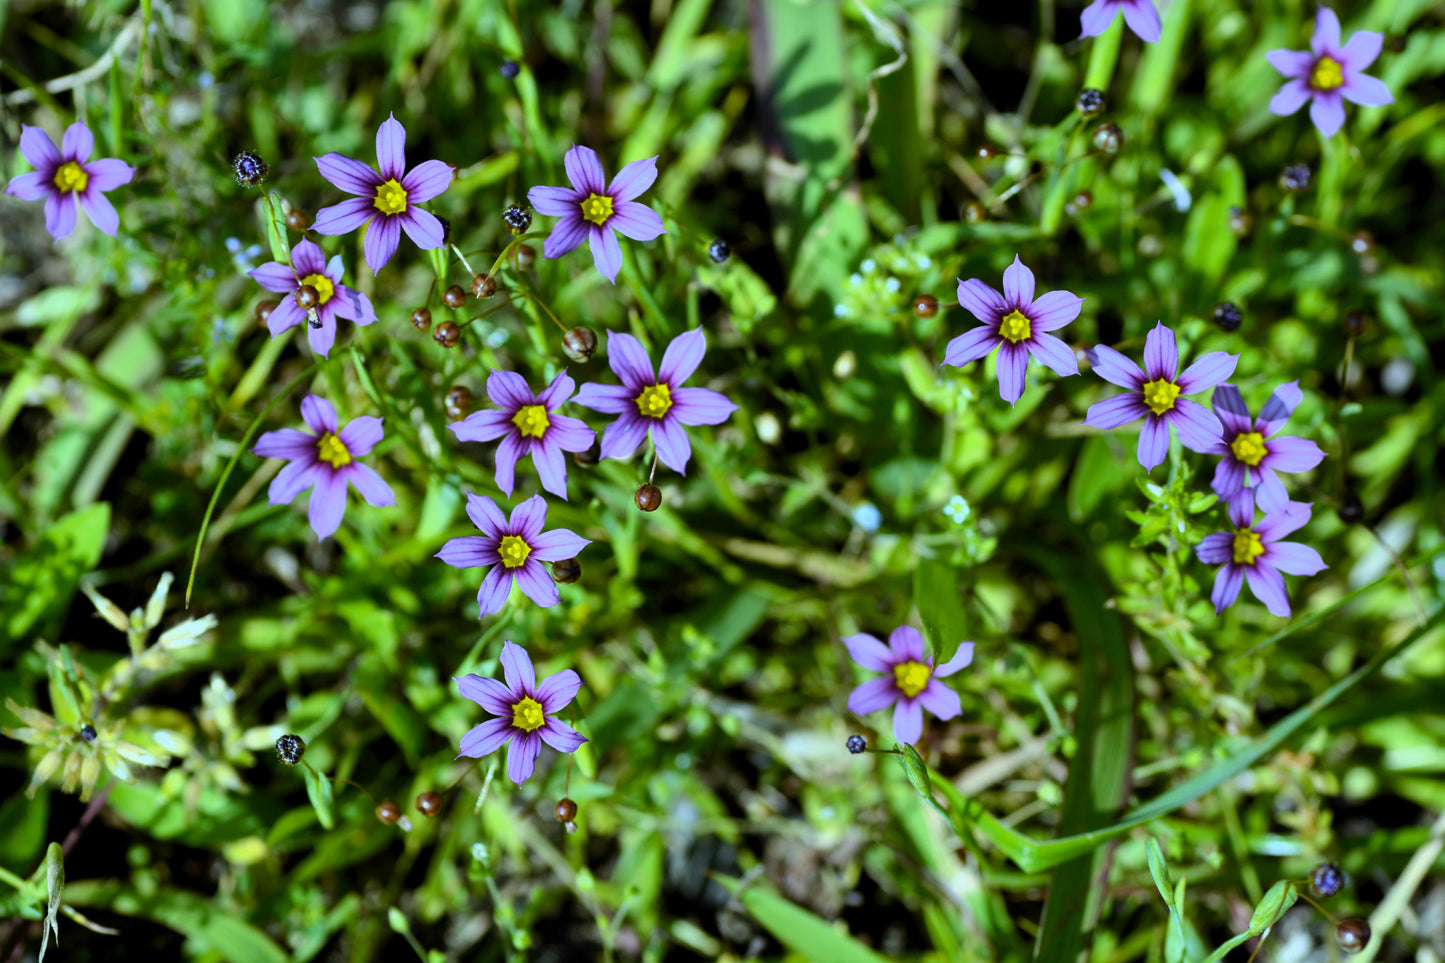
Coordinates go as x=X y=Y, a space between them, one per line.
x=510 y=69
x=856 y=744
x=579 y=343
x=1241 y=222
x=87 y=733
x=307 y=297
x=249 y=168
x=591 y=456
x=719 y=251
x=517 y=219
x=566 y=571
x=1355 y=321
x=421 y=319
x=447 y=334
x=290 y=748
x=1109 y=138
x=566 y=810
x=1294 y=178
x=297 y=220
x=454 y=296
x=1352 y=934
x=925 y=305
x=483 y=286
x=1351 y=510
x=987 y=152
x=1090 y=102
x=974 y=212
x=458 y=400
x=648 y=498
x=1228 y=316
x=526 y=256
x=264 y=309
x=1327 y=879
x=429 y=804
x=388 y=811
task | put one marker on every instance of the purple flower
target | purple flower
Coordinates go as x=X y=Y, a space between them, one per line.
x=1329 y=74
x=910 y=682
x=590 y=212
x=527 y=425
x=1256 y=553
x=514 y=550
x=309 y=267
x=1154 y=395
x=525 y=712
x=327 y=460
x=1015 y=323
x=654 y=404
x=62 y=176
x=1140 y=15
x=1251 y=456
x=388 y=201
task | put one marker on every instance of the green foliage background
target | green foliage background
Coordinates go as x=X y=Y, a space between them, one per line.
x=836 y=146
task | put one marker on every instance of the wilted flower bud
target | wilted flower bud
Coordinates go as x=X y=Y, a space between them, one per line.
x=857 y=744
x=510 y=69
x=648 y=498
x=1228 y=316
x=1294 y=178
x=517 y=219
x=249 y=168
x=719 y=251
x=1240 y=222
x=579 y=343
x=429 y=804
x=566 y=810
x=1355 y=321
x=388 y=811
x=87 y=733
x=1352 y=934
x=454 y=296
x=925 y=305
x=458 y=400
x=1351 y=509
x=483 y=286
x=447 y=334
x=591 y=456
x=1109 y=138
x=421 y=319
x=264 y=309
x=566 y=571
x=1327 y=879
x=290 y=748
x=296 y=219
x=1090 y=102
x=307 y=297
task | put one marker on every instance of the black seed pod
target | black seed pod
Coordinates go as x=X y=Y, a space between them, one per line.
x=1109 y=138
x=648 y=498
x=264 y=309
x=510 y=69
x=290 y=748
x=429 y=804
x=925 y=305
x=566 y=810
x=483 y=286
x=517 y=219
x=1351 y=510
x=249 y=168
x=87 y=732
x=1294 y=178
x=857 y=744
x=1355 y=321
x=1352 y=934
x=566 y=571
x=526 y=256
x=447 y=334
x=579 y=343
x=1090 y=102
x=421 y=319
x=591 y=456
x=446 y=229
x=388 y=811
x=307 y=297
x=297 y=220
x=1327 y=879
x=719 y=251
x=458 y=400
x=454 y=296
x=1228 y=316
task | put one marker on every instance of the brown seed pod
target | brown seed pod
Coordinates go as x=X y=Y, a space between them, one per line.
x=1362 y=242
x=307 y=297
x=1352 y=934
x=987 y=152
x=421 y=319
x=264 y=309
x=1241 y=222
x=454 y=296
x=566 y=810
x=458 y=400
x=1090 y=102
x=429 y=804
x=447 y=334
x=925 y=305
x=526 y=256
x=648 y=498
x=579 y=343
x=483 y=286
x=566 y=571
x=388 y=811
x=973 y=212
x=297 y=220
x=591 y=456
x=1109 y=138
x=1355 y=322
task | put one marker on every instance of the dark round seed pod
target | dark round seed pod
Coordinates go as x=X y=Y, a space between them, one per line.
x=517 y=219
x=566 y=571
x=526 y=256
x=1352 y=934
x=719 y=251
x=510 y=69
x=1362 y=242
x=290 y=748
x=458 y=400
x=648 y=498
x=925 y=305
x=1090 y=102
x=973 y=212
x=421 y=319
x=297 y=220
x=454 y=296
x=591 y=456
x=446 y=229
x=483 y=286
x=1355 y=321
x=248 y=167
x=307 y=297
x=566 y=810
x=987 y=152
x=1082 y=201
x=388 y=811
x=1228 y=316
x=857 y=744
x=429 y=804
x=264 y=309
x=1241 y=222
x=87 y=732
x=1294 y=178
x=579 y=343
x=1109 y=138
x=1351 y=510
x=447 y=334
x=1327 y=879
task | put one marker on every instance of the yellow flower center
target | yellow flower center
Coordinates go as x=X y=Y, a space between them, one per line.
x=390 y=198
x=70 y=176
x=1015 y=327
x=514 y=551
x=324 y=288
x=332 y=450
x=597 y=209
x=654 y=401
x=1248 y=447
x=531 y=421
x=911 y=677
x=1159 y=395
x=1247 y=546
x=527 y=714
x=1327 y=74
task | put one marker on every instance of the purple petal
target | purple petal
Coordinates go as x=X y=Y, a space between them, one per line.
x=494 y=590
x=682 y=357
x=1054 y=310
x=907 y=721
x=60 y=214
x=1153 y=442
x=1270 y=493
x=566 y=236
x=1226 y=585
x=322 y=336
x=1198 y=428
x=608 y=399
x=345 y=217
x=391 y=148
x=1018 y=285
x=1161 y=354
x=528 y=519
x=372 y=487
x=1292 y=455
x=1328 y=112
x=288 y=443
x=362 y=435
x=1143 y=19
x=701 y=406
x=1113 y=412
x=606 y=253
x=1268 y=586
x=1327 y=32
x=31 y=187
x=1206 y=372
x=584 y=170
x=469 y=551
x=537 y=585
x=1276 y=525
x=1361 y=51
x=108 y=173
x=629 y=361
x=382 y=239
x=100 y=211
x=633 y=179
x=1366 y=91
x=572 y=434
x=510 y=391
x=872 y=696
x=637 y=221
x=422 y=227
x=1049 y=350
x=518 y=670
x=622 y=437
x=426 y=180
x=319 y=414
x=1291 y=63
x=1097 y=17
x=1115 y=368
x=561 y=736
x=275 y=277
x=907 y=644
x=940 y=700
x=962 y=658
x=328 y=503
x=1290 y=98
x=557 y=691
x=487 y=693
x=870 y=653
x=522 y=756
x=971 y=345
x=78 y=143
x=982 y=301
x=556 y=394
x=292 y=480
x=486 y=425
x=1216 y=549
x=557 y=545
x=486 y=738
x=354 y=305
x=555 y=201
x=1277 y=409
x=672 y=445
x=284 y=316
x=352 y=176
x=40 y=151
x=1013 y=363
x=485 y=514
x=508 y=453
x=1230 y=409
x=1229 y=477
x=1293 y=558
x=551 y=466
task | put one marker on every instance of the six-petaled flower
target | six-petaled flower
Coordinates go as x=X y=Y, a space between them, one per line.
x=325 y=462
x=387 y=200
x=655 y=404
x=526 y=713
x=909 y=682
x=592 y=212
x=1251 y=453
x=309 y=268
x=513 y=549
x=1253 y=551
x=1140 y=15
x=66 y=179
x=1155 y=394
x=528 y=424
x=1017 y=324
x=1329 y=74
